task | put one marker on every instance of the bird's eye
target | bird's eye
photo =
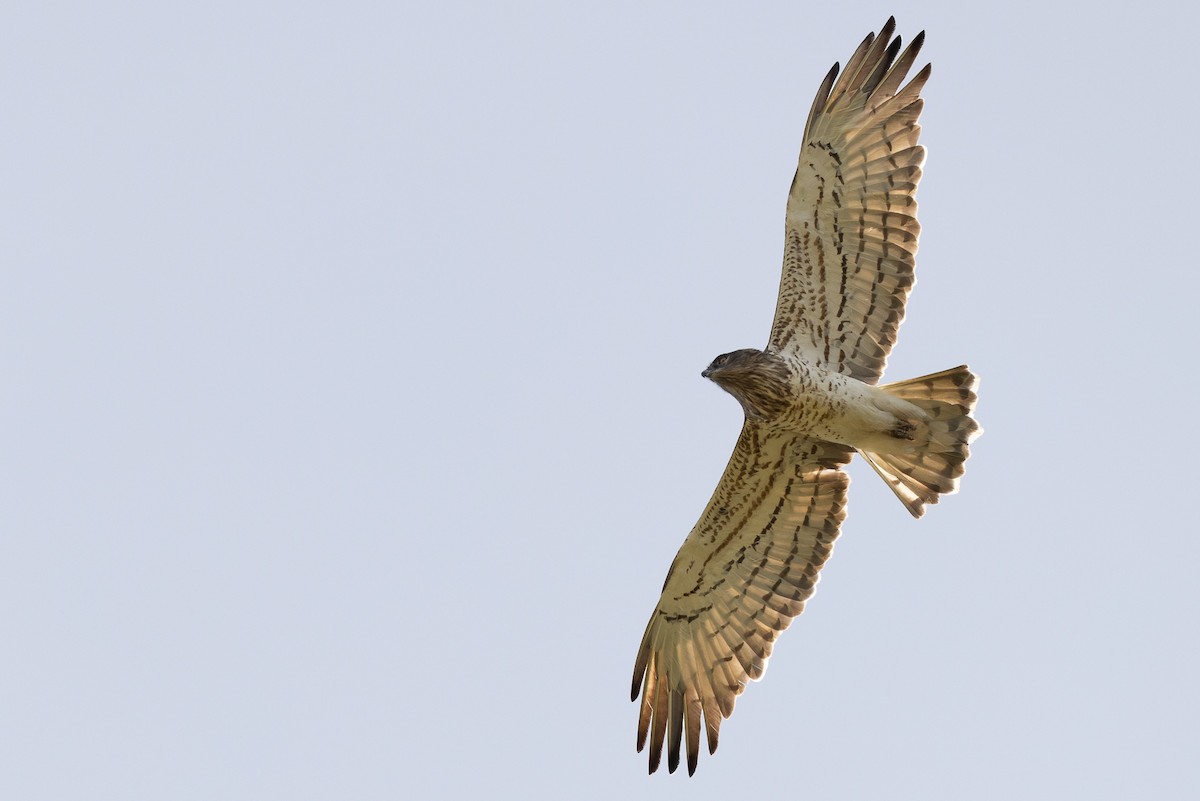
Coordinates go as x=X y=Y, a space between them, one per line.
x=717 y=362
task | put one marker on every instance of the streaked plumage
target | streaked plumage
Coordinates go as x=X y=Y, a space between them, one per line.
x=810 y=400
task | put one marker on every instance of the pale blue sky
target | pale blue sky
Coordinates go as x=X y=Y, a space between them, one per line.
x=352 y=408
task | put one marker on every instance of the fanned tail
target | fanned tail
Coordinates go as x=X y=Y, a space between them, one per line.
x=932 y=464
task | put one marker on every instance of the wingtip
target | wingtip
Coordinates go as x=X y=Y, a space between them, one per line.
x=639 y=668
x=888 y=28
x=916 y=44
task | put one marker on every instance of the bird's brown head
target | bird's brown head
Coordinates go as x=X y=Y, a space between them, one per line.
x=759 y=381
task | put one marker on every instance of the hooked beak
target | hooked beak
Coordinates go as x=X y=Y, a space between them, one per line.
x=706 y=372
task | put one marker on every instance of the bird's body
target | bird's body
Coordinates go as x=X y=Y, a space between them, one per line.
x=811 y=400
x=788 y=394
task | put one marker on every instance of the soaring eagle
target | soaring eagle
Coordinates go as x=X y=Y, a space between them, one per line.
x=811 y=400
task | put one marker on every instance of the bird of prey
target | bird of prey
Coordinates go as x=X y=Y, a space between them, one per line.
x=811 y=400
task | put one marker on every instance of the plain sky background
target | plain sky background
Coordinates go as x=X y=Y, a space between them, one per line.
x=352 y=412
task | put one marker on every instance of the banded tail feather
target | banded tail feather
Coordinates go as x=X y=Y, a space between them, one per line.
x=932 y=465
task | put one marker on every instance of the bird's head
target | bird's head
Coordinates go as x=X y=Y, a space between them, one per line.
x=759 y=380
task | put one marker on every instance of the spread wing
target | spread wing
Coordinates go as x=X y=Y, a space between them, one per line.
x=851 y=230
x=742 y=574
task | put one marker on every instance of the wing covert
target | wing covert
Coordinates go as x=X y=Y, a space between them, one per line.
x=851 y=225
x=743 y=573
